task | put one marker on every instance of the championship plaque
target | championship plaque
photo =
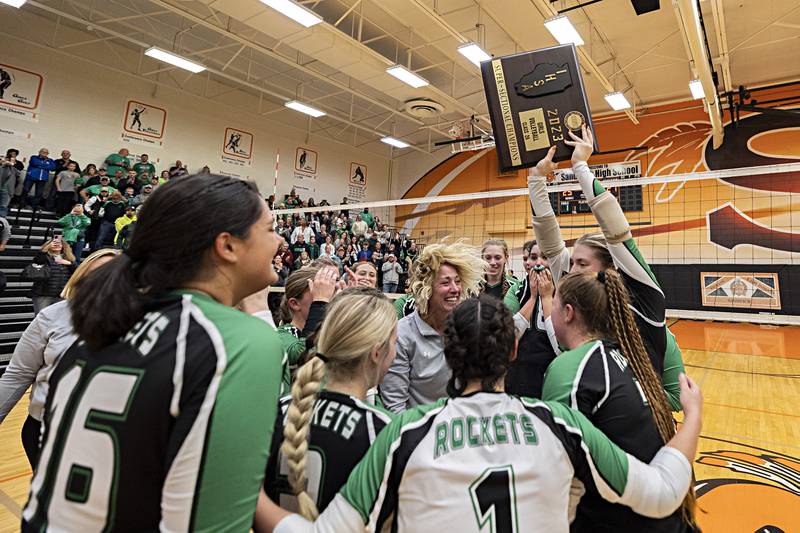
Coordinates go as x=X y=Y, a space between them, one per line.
x=534 y=99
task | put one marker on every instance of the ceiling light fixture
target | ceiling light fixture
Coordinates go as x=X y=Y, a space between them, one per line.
x=303 y=108
x=294 y=11
x=474 y=53
x=617 y=101
x=696 y=86
x=175 y=60
x=563 y=30
x=13 y=3
x=397 y=143
x=406 y=76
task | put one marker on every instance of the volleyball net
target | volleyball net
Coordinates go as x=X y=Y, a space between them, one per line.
x=725 y=240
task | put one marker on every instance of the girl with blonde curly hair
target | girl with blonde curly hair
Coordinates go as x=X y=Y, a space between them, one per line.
x=441 y=277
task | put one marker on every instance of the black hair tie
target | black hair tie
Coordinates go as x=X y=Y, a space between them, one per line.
x=321 y=357
x=601 y=277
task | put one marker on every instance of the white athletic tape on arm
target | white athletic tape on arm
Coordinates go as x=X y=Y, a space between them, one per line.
x=551 y=335
x=657 y=490
x=612 y=220
x=520 y=325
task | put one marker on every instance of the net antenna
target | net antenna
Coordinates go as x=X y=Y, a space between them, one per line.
x=473 y=140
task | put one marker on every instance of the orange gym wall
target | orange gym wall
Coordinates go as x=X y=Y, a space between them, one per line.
x=673 y=226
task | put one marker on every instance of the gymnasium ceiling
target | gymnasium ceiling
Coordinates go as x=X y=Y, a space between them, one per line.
x=257 y=59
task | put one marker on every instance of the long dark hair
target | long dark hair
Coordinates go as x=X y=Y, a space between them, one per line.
x=478 y=342
x=177 y=225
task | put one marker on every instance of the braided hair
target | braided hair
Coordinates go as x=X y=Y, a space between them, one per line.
x=357 y=320
x=478 y=343
x=602 y=301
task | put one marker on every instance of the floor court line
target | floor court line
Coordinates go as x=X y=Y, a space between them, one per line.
x=9 y=503
x=16 y=476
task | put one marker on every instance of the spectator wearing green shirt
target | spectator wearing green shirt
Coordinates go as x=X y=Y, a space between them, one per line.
x=144 y=165
x=119 y=176
x=118 y=161
x=74 y=226
x=367 y=217
x=94 y=190
x=313 y=248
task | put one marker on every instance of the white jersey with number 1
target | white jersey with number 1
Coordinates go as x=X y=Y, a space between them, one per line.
x=490 y=462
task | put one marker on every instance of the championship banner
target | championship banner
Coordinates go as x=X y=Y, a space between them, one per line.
x=144 y=124
x=20 y=93
x=534 y=99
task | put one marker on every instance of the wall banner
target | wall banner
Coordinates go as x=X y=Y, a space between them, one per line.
x=20 y=93
x=741 y=290
x=144 y=124
x=237 y=147
x=357 y=181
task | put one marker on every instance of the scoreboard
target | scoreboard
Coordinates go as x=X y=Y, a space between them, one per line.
x=573 y=202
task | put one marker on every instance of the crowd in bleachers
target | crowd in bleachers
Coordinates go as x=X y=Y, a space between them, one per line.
x=97 y=207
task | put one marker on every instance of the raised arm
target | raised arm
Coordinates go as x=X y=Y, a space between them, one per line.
x=609 y=215
x=545 y=225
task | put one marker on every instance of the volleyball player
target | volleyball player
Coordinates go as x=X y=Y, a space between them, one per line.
x=326 y=432
x=498 y=283
x=363 y=274
x=606 y=374
x=307 y=292
x=537 y=345
x=143 y=426
x=615 y=248
x=484 y=457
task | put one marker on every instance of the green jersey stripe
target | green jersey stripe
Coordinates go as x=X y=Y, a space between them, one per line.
x=607 y=463
x=179 y=496
x=239 y=448
x=180 y=356
x=366 y=487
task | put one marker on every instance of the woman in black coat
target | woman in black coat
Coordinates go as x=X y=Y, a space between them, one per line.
x=50 y=270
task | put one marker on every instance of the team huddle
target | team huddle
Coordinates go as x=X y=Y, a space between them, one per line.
x=475 y=403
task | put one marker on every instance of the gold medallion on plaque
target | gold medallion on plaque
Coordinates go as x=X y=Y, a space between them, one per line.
x=574 y=120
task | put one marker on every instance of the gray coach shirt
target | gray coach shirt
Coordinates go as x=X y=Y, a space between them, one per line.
x=419 y=373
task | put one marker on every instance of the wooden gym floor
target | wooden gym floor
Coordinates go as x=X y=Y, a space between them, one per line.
x=748 y=468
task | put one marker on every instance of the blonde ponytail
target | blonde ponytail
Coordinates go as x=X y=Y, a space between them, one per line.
x=357 y=321
x=307 y=384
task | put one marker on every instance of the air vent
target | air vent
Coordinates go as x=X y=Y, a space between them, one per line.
x=424 y=108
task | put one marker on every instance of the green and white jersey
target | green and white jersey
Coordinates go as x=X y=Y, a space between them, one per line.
x=341 y=430
x=168 y=428
x=508 y=283
x=492 y=462
x=596 y=379
x=405 y=305
x=647 y=298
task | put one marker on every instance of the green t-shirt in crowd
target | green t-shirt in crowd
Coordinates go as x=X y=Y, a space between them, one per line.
x=116 y=162
x=140 y=168
x=94 y=190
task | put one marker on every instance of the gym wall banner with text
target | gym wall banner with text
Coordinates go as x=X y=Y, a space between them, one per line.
x=728 y=244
